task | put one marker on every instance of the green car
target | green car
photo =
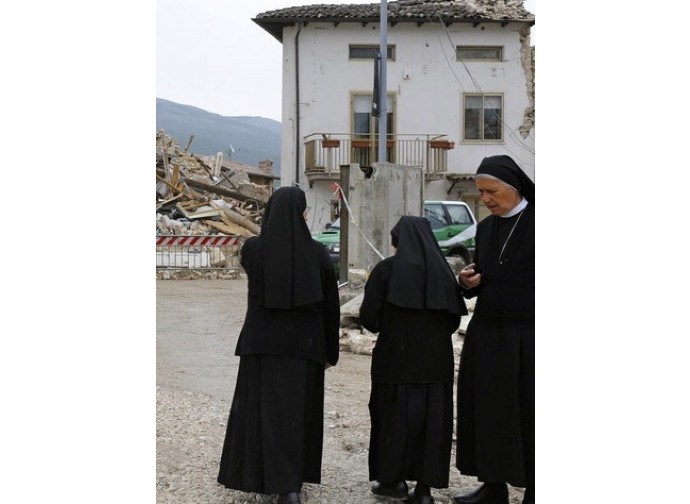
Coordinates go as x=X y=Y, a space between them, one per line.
x=330 y=238
x=454 y=226
x=452 y=222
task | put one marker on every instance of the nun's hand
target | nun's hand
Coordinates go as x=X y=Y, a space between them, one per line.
x=469 y=277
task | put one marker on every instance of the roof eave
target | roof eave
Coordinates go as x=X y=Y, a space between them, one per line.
x=275 y=26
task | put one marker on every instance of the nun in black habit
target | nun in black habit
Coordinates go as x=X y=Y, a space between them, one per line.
x=274 y=436
x=495 y=428
x=412 y=300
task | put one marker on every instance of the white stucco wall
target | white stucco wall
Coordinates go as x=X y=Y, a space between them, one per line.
x=426 y=79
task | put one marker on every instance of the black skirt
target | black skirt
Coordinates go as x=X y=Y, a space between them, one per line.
x=411 y=433
x=274 y=437
x=496 y=404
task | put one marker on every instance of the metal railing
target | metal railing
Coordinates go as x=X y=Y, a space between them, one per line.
x=199 y=252
x=325 y=152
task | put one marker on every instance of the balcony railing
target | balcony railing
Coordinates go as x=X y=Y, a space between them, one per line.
x=326 y=152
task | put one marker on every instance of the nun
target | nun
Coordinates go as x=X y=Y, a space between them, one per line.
x=274 y=437
x=413 y=301
x=495 y=401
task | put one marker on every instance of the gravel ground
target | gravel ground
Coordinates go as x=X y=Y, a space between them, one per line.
x=197 y=323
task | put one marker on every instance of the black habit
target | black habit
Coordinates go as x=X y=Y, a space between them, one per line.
x=274 y=436
x=412 y=301
x=495 y=430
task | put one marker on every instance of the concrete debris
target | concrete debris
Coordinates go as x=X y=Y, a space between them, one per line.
x=357 y=277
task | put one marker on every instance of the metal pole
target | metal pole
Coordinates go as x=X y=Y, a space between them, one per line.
x=344 y=259
x=298 y=140
x=383 y=85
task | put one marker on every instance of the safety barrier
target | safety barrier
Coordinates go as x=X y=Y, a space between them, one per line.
x=201 y=252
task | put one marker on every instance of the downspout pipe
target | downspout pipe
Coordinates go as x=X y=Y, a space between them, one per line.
x=298 y=134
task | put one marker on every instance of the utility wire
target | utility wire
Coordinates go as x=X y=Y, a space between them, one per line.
x=352 y=219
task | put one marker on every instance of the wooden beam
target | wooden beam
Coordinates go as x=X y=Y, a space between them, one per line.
x=238 y=218
x=175 y=174
x=229 y=228
x=165 y=159
x=173 y=187
x=170 y=200
x=222 y=215
x=189 y=191
x=222 y=191
x=189 y=142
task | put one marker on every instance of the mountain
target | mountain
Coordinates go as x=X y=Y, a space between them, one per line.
x=254 y=139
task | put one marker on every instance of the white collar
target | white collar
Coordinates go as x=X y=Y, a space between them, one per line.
x=517 y=209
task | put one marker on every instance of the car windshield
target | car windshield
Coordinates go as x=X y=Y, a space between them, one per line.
x=459 y=214
x=434 y=214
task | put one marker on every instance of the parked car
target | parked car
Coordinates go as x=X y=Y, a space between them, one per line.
x=454 y=226
x=453 y=223
x=330 y=238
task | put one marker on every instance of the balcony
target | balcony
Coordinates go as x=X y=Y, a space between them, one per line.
x=326 y=152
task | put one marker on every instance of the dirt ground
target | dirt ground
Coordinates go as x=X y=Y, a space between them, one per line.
x=197 y=323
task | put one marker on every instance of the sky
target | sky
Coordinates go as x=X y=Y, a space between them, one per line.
x=210 y=54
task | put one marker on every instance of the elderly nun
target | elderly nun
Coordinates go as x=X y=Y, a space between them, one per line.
x=495 y=393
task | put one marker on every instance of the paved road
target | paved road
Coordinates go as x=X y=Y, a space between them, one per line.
x=197 y=324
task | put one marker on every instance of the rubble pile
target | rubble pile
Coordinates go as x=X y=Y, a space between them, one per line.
x=199 y=195
x=203 y=195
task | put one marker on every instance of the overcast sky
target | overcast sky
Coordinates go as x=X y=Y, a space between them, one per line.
x=210 y=54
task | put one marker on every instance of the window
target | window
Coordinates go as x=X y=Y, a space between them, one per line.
x=364 y=124
x=369 y=51
x=479 y=53
x=483 y=117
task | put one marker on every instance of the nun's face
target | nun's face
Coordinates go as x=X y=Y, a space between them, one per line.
x=498 y=197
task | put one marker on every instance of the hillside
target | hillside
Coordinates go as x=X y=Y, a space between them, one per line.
x=254 y=139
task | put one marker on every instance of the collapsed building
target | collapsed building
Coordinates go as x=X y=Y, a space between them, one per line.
x=205 y=196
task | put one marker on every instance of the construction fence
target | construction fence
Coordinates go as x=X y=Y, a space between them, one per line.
x=202 y=253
